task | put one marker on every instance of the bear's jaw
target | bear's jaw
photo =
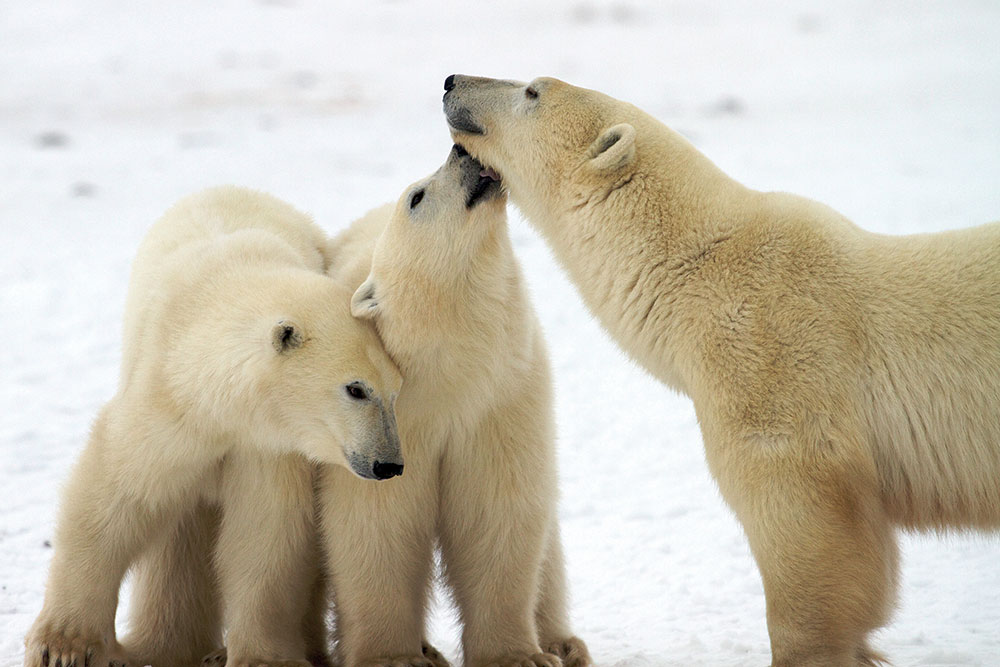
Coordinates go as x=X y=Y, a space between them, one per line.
x=460 y=120
x=488 y=186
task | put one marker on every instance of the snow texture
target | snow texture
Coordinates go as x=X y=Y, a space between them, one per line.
x=109 y=111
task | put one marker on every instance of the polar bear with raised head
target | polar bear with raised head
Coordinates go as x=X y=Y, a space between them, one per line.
x=241 y=366
x=846 y=382
x=438 y=276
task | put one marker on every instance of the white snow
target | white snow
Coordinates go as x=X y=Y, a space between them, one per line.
x=888 y=111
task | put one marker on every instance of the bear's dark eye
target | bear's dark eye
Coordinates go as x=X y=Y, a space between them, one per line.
x=417 y=197
x=531 y=93
x=356 y=391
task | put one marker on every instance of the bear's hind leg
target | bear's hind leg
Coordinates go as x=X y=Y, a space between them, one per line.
x=175 y=617
x=103 y=526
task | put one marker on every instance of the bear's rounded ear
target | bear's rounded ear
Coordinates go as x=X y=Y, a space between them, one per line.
x=615 y=148
x=364 y=305
x=285 y=336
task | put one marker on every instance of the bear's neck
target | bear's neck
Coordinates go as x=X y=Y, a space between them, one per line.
x=448 y=330
x=635 y=251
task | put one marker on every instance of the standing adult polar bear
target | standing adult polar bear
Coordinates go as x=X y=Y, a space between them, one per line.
x=438 y=277
x=845 y=382
x=241 y=364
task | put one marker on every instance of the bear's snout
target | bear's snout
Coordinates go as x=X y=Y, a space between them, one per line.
x=460 y=118
x=386 y=470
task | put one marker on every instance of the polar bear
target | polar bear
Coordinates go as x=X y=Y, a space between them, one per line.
x=241 y=365
x=438 y=276
x=845 y=382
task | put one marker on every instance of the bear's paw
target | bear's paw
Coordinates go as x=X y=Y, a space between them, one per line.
x=402 y=661
x=219 y=658
x=432 y=654
x=572 y=651
x=526 y=660
x=47 y=647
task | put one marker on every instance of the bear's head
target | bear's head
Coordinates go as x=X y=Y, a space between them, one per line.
x=286 y=368
x=442 y=234
x=552 y=143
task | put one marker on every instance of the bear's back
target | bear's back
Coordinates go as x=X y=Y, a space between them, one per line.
x=349 y=253
x=198 y=258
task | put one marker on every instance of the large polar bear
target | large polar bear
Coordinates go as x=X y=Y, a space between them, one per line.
x=845 y=382
x=438 y=276
x=241 y=363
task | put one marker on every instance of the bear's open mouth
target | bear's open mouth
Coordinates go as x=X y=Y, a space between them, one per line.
x=481 y=182
x=487 y=186
x=488 y=183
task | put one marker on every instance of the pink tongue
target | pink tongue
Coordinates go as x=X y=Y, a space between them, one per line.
x=488 y=172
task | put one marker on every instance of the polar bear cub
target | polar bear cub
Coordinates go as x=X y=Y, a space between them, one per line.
x=241 y=364
x=438 y=277
x=846 y=382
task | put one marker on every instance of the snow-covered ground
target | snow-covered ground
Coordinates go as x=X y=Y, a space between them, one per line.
x=889 y=111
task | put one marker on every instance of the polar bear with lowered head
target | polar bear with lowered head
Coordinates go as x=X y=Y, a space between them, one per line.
x=438 y=276
x=241 y=365
x=845 y=382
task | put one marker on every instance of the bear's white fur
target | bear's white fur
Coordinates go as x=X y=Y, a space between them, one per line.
x=441 y=283
x=240 y=359
x=845 y=382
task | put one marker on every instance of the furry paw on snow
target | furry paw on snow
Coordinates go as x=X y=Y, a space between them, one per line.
x=401 y=661
x=573 y=652
x=219 y=658
x=525 y=660
x=48 y=648
x=432 y=654
x=215 y=658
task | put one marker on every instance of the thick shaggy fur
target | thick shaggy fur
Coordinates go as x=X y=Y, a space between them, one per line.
x=845 y=382
x=236 y=354
x=439 y=279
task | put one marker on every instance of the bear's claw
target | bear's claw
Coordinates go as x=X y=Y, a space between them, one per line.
x=432 y=654
x=573 y=652
x=54 y=649
x=221 y=656
x=217 y=657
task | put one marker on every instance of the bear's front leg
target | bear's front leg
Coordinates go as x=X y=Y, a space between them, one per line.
x=497 y=499
x=102 y=527
x=554 y=633
x=266 y=557
x=827 y=554
x=378 y=538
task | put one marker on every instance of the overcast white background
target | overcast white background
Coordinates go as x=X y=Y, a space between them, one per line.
x=109 y=111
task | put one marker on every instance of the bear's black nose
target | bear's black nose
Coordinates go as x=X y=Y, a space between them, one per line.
x=386 y=470
x=449 y=83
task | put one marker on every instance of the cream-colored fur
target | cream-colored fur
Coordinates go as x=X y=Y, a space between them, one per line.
x=846 y=382
x=238 y=364
x=440 y=280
